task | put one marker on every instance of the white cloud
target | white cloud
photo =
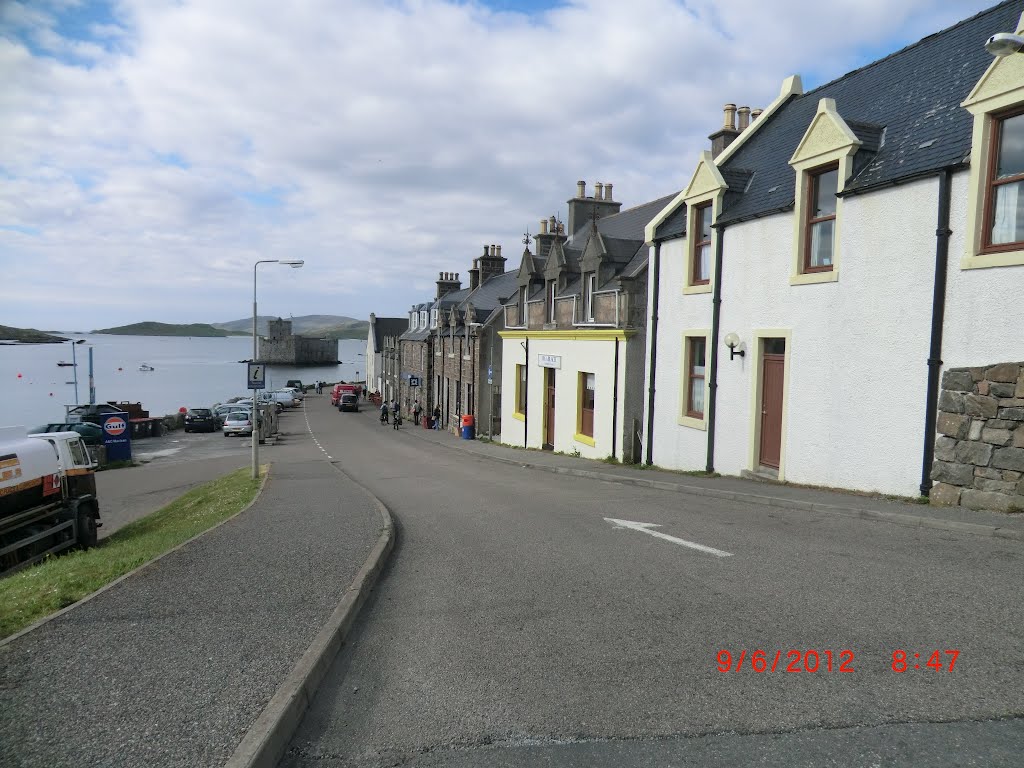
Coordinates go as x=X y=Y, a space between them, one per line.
x=381 y=142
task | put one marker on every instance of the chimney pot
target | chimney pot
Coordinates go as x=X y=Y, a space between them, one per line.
x=499 y=251
x=485 y=250
x=493 y=249
x=608 y=192
x=543 y=226
x=581 y=189
x=730 y=117
x=755 y=113
x=440 y=275
x=553 y=222
x=598 y=191
x=456 y=277
x=744 y=113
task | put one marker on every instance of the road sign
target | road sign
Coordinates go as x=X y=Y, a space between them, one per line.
x=414 y=381
x=257 y=376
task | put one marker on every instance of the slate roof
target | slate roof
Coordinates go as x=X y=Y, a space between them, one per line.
x=387 y=326
x=485 y=298
x=914 y=94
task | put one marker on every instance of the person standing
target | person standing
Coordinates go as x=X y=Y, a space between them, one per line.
x=416 y=411
x=437 y=417
x=383 y=413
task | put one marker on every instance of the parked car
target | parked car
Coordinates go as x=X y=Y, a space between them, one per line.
x=237 y=423
x=349 y=402
x=201 y=420
x=285 y=397
x=296 y=384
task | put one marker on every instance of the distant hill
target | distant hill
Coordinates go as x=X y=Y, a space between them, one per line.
x=324 y=326
x=30 y=336
x=150 y=328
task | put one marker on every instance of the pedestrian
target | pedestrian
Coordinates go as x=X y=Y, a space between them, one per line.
x=383 y=413
x=437 y=417
x=416 y=411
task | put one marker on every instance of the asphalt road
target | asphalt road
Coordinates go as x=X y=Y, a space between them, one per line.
x=516 y=626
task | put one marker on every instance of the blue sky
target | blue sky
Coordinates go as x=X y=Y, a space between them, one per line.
x=174 y=142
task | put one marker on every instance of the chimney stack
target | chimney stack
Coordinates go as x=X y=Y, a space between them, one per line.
x=474 y=274
x=582 y=209
x=446 y=283
x=490 y=264
x=543 y=226
x=744 y=118
x=724 y=136
x=581 y=189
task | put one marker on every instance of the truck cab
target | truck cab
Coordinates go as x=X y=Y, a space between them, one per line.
x=77 y=467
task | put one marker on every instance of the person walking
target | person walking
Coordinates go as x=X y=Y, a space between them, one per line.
x=416 y=411
x=383 y=413
x=437 y=417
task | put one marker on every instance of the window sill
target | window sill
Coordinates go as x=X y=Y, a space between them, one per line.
x=584 y=439
x=811 y=278
x=986 y=260
x=691 y=289
x=519 y=416
x=689 y=421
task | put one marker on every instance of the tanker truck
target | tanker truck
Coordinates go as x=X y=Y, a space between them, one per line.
x=47 y=496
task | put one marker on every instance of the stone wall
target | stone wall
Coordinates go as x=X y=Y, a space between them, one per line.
x=979 y=454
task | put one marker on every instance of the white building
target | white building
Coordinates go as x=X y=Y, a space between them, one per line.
x=380 y=328
x=851 y=243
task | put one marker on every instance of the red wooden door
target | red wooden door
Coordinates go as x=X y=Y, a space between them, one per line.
x=549 y=410
x=772 y=374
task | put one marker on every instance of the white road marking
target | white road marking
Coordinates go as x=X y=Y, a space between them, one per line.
x=646 y=528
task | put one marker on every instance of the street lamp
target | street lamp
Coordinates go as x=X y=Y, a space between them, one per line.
x=74 y=364
x=294 y=264
x=1004 y=44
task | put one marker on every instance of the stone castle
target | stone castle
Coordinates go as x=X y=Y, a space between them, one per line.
x=282 y=347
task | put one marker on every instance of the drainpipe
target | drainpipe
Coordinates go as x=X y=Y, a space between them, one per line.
x=526 y=403
x=942 y=233
x=615 y=400
x=652 y=365
x=716 y=313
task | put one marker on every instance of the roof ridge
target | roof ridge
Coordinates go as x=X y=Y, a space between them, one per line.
x=906 y=48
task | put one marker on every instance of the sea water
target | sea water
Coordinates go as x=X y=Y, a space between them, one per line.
x=192 y=372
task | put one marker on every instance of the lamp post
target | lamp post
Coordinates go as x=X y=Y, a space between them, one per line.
x=74 y=366
x=294 y=264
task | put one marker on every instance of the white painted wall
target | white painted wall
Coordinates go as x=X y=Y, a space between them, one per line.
x=675 y=446
x=373 y=364
x=858 y=374
x=597 y=357
x=984 y=307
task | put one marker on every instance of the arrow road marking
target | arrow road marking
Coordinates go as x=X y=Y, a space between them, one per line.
x=646 y=528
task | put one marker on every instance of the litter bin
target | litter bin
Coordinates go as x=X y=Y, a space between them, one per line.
x=468 y=428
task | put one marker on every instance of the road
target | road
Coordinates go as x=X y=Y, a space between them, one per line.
x=518 y=626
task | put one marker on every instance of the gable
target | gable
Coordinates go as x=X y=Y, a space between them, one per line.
x=594 y=252
x=827 y=135
x=706 y=179
x=1002 y=83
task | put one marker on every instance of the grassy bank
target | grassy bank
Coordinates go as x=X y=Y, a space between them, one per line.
x=29 y=595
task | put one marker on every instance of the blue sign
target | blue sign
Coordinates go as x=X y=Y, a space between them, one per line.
x=257 y=376
x=414 y=381
x=117 y=436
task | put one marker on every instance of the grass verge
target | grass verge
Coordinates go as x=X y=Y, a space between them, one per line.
x=31 y=594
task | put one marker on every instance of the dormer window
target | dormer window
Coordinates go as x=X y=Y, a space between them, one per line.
x=412 y=321
x=423 y=318
x=819 y=237
x=433 y=318
x=589 y=286
x=522 y=306
x=701 y=255
x=1004 y=201
x=551 y=290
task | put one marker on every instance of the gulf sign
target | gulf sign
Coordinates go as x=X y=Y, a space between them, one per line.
x=115 y=426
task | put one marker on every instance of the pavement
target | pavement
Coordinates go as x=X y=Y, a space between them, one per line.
x=173 y=665
x=851 y=504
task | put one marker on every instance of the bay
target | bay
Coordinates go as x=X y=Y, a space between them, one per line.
x=189 y=372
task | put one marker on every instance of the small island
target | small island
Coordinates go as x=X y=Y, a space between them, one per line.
x=27 y=336
x=150 y=328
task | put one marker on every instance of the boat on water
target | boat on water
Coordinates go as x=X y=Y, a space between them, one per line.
x=146 y=367
x=65 y=364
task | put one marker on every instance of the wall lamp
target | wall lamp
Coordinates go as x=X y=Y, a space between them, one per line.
x=1004 y=44
x=732 y=341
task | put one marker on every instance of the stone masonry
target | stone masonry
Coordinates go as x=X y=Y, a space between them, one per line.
x=979 y=453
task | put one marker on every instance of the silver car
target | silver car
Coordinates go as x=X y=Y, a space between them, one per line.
x=237 y=423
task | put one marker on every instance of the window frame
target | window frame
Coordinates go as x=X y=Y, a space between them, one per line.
x=582 y=435
x=685 y=415
x=521 y=392
x=550 y=291
x=991 y=183
x=691 y=377
x=696 y=245
x=589 y=287
x=812 y=177
x=522 y=306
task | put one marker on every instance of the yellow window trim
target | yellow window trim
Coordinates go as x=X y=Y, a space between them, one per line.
x=516 y=414
x=519 y=416
x=999 y=89
x=828 y=140
x=684 y=392
x=584 y=439
x=582 y=334
x=706 y=186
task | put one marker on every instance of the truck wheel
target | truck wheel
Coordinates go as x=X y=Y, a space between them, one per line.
x=86 y=528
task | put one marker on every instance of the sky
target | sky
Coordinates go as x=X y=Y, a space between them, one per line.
x=151 y=151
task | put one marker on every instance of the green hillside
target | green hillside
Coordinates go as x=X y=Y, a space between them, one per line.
x=150 y=328
x=28 y=336
x=317 y=326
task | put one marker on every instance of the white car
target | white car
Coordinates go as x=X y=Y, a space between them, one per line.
x=237 y=423
x=286 y=398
